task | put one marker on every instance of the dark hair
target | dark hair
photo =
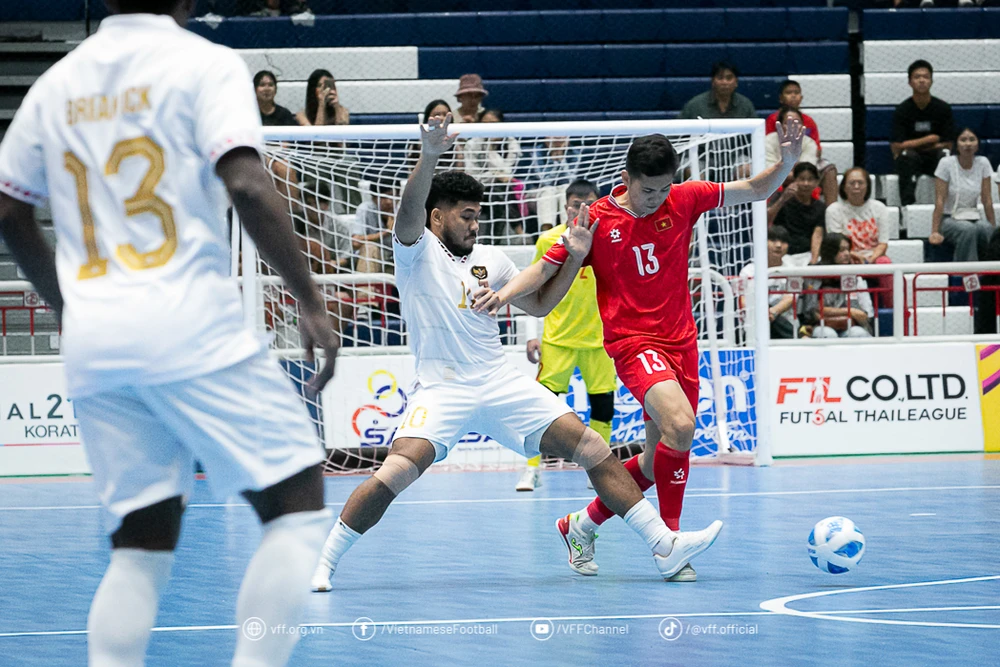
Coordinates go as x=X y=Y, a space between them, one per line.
x=430 y=107
x=147 y=6
x=783 y=112
x=312 y=106
x=963 y=131
x=786 y=84
x=721 y=66
x=495 y=112
x=652 y=155
x=581 y=188
x=259 y=76
x=451 y=187
x=829 y=248
x=779 y=233
x=868 y=183
x=918 y=64
x=803 y=167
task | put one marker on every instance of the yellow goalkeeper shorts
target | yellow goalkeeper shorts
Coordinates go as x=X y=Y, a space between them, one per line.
x=558 y=363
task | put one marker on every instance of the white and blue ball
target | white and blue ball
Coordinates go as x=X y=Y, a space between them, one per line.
x=836 y=545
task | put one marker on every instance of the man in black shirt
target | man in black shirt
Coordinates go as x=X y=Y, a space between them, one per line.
x=803 y=216
x=921 y=128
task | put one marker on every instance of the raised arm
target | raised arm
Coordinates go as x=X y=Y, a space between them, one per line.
x=764 y=184
x=411 y=217
x=32 y=252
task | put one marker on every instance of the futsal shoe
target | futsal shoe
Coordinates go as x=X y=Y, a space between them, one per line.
x=322 y=580
x=685 y=575
x=530 y=480
x=579 y=543
x=686 y=546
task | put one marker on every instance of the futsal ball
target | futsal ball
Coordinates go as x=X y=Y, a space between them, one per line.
x=836 y=545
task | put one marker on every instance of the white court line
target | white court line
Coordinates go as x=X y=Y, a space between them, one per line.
x=924 y=514
x=909 y=610
x=696 y=493
x=453 y=621
x=780 y=605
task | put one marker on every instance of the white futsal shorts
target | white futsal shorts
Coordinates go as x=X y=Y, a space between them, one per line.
x=245 y=424
x=507 y=405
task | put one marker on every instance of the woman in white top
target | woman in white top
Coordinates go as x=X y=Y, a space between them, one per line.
x=962 y=182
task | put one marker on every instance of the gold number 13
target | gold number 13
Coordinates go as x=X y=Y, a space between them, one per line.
x=143 y=201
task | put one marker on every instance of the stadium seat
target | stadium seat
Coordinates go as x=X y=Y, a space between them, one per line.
x=893 y=215
x=351 y=64
x=888 y=189
x=905 y=252
x=931 y=24
x=947 y=55
x=918 y=220
x=983 y=119
x=924 y=298
x=949 y=321
x=954 y=87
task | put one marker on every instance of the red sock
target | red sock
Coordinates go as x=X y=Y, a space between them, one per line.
x=599 y=512
x=670 y=467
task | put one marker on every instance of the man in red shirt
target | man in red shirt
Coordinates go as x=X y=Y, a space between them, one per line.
x=642 y=236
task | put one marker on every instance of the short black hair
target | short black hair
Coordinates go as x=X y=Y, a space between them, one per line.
x=779 y=233
x=829 y=247
x=147 y=6
x=491 y=111
x=451 y=187
x=803 y=167
x=581 y=188
x=918 y=64
x=652 y=155
x=868 y=183
x=723 y=65
x=783 y=111
x=432 y=105
x=787 y=83
x=259 y=76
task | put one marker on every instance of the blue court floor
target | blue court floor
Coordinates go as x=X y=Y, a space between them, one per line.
x=464 y=570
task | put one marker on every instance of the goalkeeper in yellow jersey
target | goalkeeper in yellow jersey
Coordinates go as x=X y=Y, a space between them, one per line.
x=572 y=338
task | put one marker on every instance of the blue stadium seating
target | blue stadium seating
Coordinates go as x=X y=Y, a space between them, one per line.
x=878 y=158
x=983 y=119
x=931 y=24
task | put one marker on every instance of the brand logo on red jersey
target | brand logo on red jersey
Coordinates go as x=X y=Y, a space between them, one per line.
x=664 y=224
x=616 y=235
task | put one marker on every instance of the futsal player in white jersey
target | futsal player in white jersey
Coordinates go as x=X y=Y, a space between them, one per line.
x=447 y=285
x=134 y=138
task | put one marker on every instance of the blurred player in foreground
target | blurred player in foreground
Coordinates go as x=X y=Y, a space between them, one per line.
x=640 y=259
x=572 y=337
x=447 y=286
x=131 y=138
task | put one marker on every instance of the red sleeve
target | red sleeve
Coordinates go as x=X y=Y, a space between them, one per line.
x=700 y=196
x=557 y=254
x=770 y=122
x=811 y=126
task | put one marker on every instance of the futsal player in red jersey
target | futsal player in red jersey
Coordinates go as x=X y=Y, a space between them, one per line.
x=642 y=236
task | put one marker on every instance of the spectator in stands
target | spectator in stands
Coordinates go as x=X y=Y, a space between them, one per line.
x=781 y=310
x=790 y=95
x=722 y=100
x=772 y=150
x=796 y=210
x=470 y=95
x=450 y=161
x=985 y=321
x=271 y=114
x=842 y=314
x=374 y=220
x=553 y=165
x=333 y=233
x=322 y=102
x=922 y=128
x=492 y=161
x=962 y=182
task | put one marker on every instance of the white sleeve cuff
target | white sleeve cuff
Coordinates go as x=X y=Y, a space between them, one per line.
x=533 y=327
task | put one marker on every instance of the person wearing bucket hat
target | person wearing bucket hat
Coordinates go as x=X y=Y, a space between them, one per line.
x=470 y=95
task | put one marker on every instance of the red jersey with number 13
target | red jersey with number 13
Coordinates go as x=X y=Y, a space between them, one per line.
x=641 y=264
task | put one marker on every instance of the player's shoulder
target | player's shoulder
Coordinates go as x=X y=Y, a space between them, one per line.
x=549 y=237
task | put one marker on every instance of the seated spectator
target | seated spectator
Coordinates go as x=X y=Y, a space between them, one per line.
x=722 y=100
x=492 y=161
x=922 y=128
x=781 y=309
x=450 y=161
x=322 y=102
x=278 y=7
x=790 y=95
x=553 y=166
x=772 y=149
x=961 y=183
x=842 y=314
x=373 y=223
x=470 y=95
x=800 y=214
x=335 y=235
x=271 y=114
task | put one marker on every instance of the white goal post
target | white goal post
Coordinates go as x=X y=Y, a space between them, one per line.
x=342 y=184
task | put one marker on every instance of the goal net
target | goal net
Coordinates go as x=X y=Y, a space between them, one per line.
x=342 y=186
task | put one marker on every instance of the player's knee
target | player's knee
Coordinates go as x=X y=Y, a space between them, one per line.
x=153 y=528
x=397 y=473
x=591 y=451
x=602 y=406
x=302 y=492
x=678 y=425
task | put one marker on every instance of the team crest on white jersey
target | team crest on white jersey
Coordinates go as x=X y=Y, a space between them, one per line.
x=479 y=272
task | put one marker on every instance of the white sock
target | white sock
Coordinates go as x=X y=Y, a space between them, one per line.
x=124 y=608
x=645 y=520
x=585 y=523
x=341 y=538
x=275 y=588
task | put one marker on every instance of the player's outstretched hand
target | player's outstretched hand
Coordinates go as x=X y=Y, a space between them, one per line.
x=790 y=139
x=435 y=138
x=318 y=330
x=486 y=300
x=579 y=234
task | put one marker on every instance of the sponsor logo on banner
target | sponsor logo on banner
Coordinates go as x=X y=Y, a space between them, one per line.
x=988 y=359
x=867 y=399
x=34 y=408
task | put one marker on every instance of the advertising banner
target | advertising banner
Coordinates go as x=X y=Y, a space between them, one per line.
x=988 y=359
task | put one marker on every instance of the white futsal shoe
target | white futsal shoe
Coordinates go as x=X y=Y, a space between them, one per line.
x=530 y=480
x=686 y=546
x=322 y=580
x=579 y=543
x=685 y=575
